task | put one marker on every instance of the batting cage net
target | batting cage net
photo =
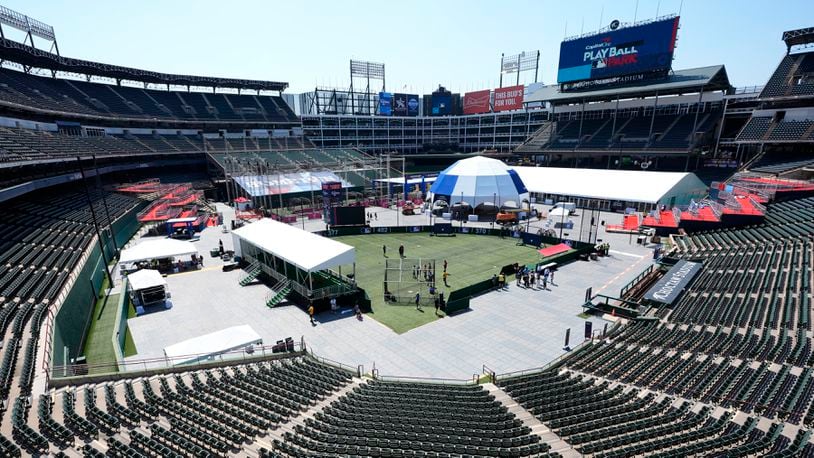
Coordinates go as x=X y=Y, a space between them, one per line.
x=406 y=277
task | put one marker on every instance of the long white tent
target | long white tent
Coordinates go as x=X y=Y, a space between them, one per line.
x=618 y=185
x=309 y=252
x=157 y=249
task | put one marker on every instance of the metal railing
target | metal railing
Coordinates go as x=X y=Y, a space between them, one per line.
x=435 y=380
x=116 y=369
x=359 y=370
x=636 y=280
x=749 y=89
x=545 y=367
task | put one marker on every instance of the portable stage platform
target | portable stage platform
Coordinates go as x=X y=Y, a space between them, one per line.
x=306 y=260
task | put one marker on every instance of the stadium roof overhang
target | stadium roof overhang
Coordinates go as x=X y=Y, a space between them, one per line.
x=799 y=37
x=702 y=79
x=38 y=58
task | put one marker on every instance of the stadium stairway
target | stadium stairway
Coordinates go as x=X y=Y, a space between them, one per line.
x=278 y=293
x=253 y=270
x=265 y=442
x=537 y=427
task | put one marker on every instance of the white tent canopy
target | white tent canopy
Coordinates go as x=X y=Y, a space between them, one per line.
x=559 y=211
x=479 y=179
x=620 y=185
x=214 y=343
x=309 y=252
x=145 y=278
x=157 y=249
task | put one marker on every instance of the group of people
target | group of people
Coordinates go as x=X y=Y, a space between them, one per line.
x=424 y=272
x=401 y=251
x=437 y=297
x=334 y=310
x=371 y=216
x=538 y=277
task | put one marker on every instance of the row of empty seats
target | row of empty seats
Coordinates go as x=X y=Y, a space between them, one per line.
x=214 y=412
x=42 y=240
x=794 y=76
x=774 y=165
x=105 y=100
x=17 y=144
x=698 y=378
x=765 y=129
x=632 y=133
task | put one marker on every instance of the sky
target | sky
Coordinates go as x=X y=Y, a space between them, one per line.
x=423 y=44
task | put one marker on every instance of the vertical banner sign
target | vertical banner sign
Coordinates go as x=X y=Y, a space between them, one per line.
x=477 y=102
x=588 y=329
x=605 y=330
x=588 y=294
x=404 y=105
x=441 y=104
x=508 y=98
x=331 y=195
x=399 y=105
x=567 y=337
x=412 y=105
x=385 y=103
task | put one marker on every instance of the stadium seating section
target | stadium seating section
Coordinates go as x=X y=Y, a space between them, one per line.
x=17 y=144
x=779 y=164
x=739 y=339
x=762 y=128
x=669 y=132
x=108 y=101
x=794 y=76
x=41 y=242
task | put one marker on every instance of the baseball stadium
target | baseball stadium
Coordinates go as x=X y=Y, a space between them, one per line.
x=614 y=262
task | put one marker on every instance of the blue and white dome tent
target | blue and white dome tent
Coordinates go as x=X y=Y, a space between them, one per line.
x=479 y=180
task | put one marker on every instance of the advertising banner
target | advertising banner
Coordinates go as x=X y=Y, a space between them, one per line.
x=509 y=98
x=441 y=104
x=271 y=185
x=630 y=50
x=405 y=105
x=671 y=285
x=477 y=102
x=385 y=103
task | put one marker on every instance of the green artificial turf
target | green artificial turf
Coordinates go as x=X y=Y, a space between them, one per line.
x=99 y=344
x=129 y=344
x=471 y=258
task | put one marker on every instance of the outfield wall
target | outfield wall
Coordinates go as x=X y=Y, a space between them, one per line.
x=73 y=318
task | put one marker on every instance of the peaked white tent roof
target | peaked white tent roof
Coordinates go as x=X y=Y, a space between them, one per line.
x=145 y=278
x=622 y=185
x=157 y=249
x=479 y=179
x=310 y=252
